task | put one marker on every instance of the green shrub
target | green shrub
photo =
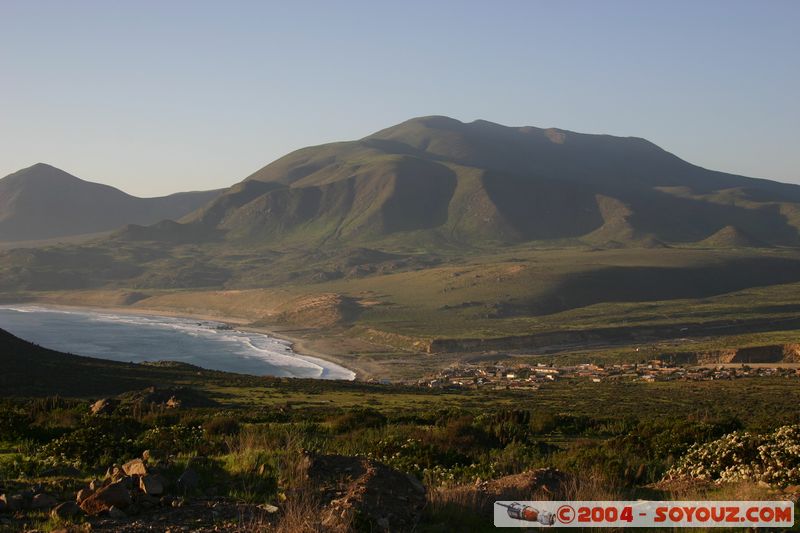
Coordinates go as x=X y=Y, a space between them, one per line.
x=222 y=425
x=358 y=419
x=176 y=439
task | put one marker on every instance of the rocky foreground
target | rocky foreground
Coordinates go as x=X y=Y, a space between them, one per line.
x=140 y=495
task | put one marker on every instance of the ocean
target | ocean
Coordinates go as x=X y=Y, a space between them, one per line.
x=138 y=338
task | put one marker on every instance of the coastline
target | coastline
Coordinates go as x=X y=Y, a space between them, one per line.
x=299 y=348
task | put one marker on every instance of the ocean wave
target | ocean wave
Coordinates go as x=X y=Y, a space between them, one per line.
x=275 y=353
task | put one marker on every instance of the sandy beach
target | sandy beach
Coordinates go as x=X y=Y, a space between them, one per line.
x=300 y=347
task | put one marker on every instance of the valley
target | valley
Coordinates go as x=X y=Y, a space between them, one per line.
x=528 y=313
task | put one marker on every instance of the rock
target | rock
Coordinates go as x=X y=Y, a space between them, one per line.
x=83 y=494
x=116 y=512
x=151 y=485
x=178 y=502
x=548 y=480
x=135 y=467
x=114 y=473
x=95 y=484
x=43 y=501
x=145 y=500
x=416 y=483
x=66 y=511
x=23 y=499
x=173 y=403
x=271 y=509
x=19 y=501
x=114 y=495
x=386 y=499
x=13 y=502
x=189 y=480
x=104 y=406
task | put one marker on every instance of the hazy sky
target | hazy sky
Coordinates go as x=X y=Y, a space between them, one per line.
x=157 y=97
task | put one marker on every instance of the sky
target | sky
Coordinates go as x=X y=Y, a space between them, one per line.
x=157 y=97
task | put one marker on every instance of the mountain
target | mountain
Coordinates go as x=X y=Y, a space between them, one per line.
x=42 y=202
x=435 y=180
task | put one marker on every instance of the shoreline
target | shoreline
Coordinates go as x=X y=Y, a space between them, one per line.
x=297 y=345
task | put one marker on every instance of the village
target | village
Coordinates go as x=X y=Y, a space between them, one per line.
x=500 y=375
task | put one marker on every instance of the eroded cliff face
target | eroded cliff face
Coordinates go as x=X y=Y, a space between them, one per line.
x=774 y=353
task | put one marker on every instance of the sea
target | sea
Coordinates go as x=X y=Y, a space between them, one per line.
x=138 y=338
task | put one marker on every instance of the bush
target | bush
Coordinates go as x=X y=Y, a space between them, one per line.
x=357 y=419
x=176 y=439
x=222 y=425
x=773 y=458
x=103 y=441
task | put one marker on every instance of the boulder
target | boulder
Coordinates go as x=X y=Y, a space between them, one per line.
x=83 y=494
x=23 y=499
x=11 y=503
x=147 y=501
x=113 y=495
x=135 y=467
x=113 y=473
x=173 y=403
x=66 y=511
x=189 y=480
x=548 y=481
x=104 y=406
x=152 y=485
x=95 y=484
x=356 y=487
x=116 y=512
x=43 y=501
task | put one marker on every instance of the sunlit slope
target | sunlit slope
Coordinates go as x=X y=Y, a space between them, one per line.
x=435 y=179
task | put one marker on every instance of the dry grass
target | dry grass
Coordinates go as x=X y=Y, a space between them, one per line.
x=744 y=491
x=303 y=510
x=594 y=486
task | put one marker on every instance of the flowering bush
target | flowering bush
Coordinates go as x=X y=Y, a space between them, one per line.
x=176 y=439
x=86 y=447
x=773 y=458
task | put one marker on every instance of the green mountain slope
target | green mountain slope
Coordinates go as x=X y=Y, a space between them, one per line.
x=42 y=202
x=435 y=179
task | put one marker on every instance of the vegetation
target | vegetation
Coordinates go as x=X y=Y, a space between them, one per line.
x=624 y=438
x=424 y=244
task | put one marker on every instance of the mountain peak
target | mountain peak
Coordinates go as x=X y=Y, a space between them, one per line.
x=438 y=178
x=43 y=202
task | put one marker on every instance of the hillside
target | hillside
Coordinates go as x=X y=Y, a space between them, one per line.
x=30 y=370
x=436 y=232
x=435 y=180
x=43 y=202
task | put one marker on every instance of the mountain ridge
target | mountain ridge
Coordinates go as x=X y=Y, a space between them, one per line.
x=436 y=178
x=44 y=202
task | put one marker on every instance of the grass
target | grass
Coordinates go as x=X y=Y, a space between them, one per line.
x=614 y=440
